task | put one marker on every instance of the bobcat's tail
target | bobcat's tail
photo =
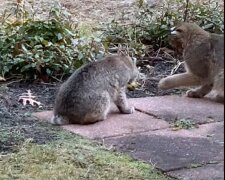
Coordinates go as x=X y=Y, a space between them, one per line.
x=59 y=120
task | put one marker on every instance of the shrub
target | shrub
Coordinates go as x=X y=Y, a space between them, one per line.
x=54 y=47
x=149 y=26
x=43 y=48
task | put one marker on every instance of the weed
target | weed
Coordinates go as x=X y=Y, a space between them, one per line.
x=195 y=165
x=184 y=124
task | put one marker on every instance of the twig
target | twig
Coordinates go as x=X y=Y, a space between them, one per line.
x=50 y=84
x=152 y=59
x=61 y=78
x=174 y=59
x=176 y=67
x=56 y=79
x=158 y=52
x=11 y=82
x=153 y=78
x=186 y=11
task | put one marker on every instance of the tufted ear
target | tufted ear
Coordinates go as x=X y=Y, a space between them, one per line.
x=123 y=50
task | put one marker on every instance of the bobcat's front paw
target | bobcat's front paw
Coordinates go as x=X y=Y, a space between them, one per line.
x=194 y=94
x=129 y=110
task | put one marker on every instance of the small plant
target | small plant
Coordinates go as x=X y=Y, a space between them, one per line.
x=184 y=124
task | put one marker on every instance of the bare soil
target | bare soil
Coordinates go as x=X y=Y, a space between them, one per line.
x=16 y=123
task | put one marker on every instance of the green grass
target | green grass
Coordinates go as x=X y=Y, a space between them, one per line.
x=73 y=158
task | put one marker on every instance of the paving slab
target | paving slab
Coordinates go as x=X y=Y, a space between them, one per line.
x=116 y=124
x=212 y=131
x=206 y=172
x=170 y=150
x=171 y=108
x=43 y=115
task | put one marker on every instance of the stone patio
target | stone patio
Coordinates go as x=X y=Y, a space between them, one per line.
x=148 y=134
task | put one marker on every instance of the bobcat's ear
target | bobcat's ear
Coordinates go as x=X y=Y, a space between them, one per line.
x=123 y=50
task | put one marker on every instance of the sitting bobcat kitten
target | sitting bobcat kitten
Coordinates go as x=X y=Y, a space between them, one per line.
x=87 y=95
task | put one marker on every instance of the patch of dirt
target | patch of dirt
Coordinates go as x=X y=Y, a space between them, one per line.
x=15 y=121
x=158 y=70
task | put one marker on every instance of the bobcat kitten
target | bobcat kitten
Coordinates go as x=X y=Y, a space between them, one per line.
x=87 y=95
x=203 y=54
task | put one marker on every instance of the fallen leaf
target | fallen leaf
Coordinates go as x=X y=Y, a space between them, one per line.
x=28 y=98
x=132 y=86
x=2 y=78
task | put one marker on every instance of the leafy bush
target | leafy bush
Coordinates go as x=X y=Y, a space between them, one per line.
x=56 y=46
x=150 y=26
x=39 y=49
x=208 y=14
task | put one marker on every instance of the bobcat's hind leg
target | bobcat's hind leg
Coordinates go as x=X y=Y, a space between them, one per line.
x=99 y=110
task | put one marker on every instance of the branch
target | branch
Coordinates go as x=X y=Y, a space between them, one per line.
x=186 y=11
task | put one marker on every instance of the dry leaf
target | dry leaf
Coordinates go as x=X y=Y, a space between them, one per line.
x=132 y=86
x=2 y=78
x=28 y=98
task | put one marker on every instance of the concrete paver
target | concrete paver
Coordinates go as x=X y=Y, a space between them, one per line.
x=44 y=115
x=169 y=150
x=116 y=124
x=171 y=108
x=207 y=172
x=119 y=124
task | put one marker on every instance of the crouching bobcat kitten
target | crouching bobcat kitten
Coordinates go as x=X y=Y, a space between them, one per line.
x=87 y=95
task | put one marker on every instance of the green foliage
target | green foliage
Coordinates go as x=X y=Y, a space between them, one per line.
x=54 y=47
x=208 y=14
x=184 y=124
x=150 y=26
x=39 y=49
x=115 y=34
